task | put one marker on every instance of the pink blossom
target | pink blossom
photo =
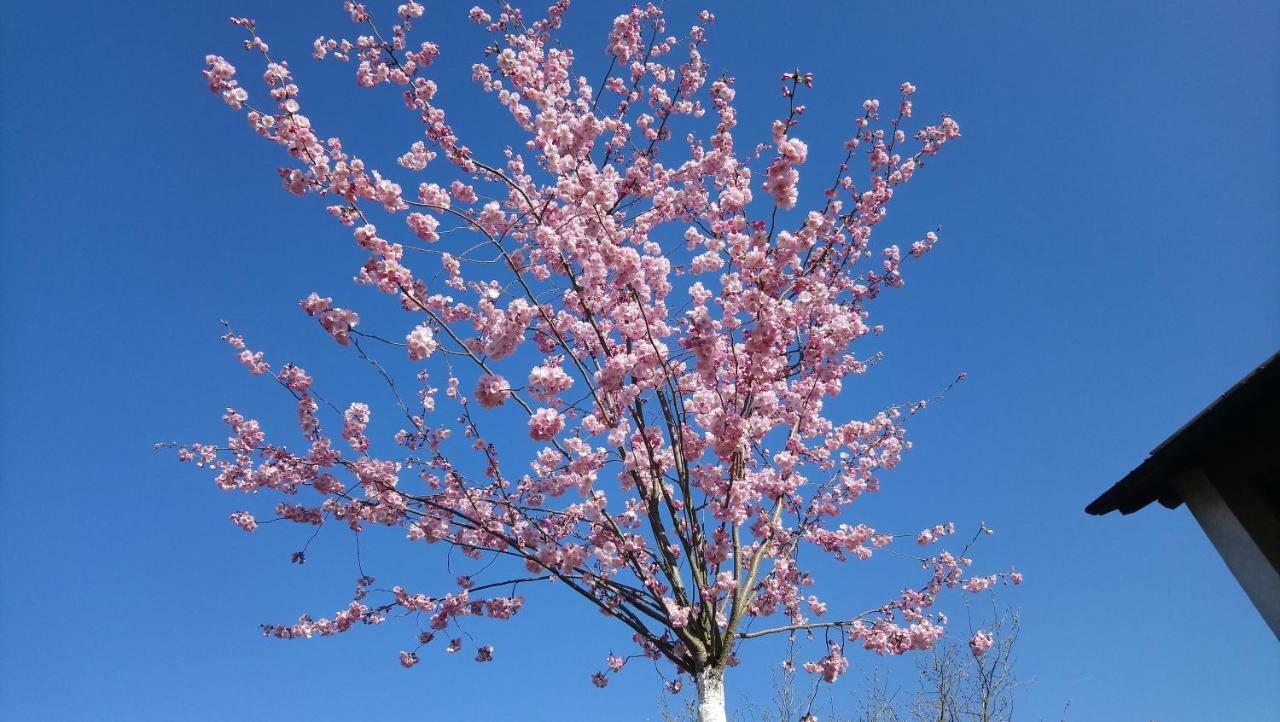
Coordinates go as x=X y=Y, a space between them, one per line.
x=421 y=342
x=462 y=192
x=780 y=182
x=548 y=380
x=355 y=420
x=253 y=361
x=978 y=584
x=928 y=536
x=492 y=390
x=980 y=643
x=679 y=614
x=337 y=321
x=424 y=226
x=793 y=150
x=410 y=10
x=544 y=424
x=244 y=520
x=919 y=248
x=831 y=666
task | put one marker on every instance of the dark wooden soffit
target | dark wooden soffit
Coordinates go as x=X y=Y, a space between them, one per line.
x=1252 y=403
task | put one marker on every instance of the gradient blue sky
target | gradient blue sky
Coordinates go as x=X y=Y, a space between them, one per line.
x=1110 y=263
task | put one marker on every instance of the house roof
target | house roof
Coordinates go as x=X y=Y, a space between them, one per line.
x=1240 y=410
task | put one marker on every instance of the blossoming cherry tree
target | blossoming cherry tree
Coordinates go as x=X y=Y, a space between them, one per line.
x=673 y=329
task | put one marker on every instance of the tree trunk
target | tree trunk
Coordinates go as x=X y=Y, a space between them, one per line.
x=711 y=695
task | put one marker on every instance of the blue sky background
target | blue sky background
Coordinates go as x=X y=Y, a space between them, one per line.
x=1109 y=264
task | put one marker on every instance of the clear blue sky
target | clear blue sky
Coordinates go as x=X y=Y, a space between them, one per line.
x=1110 y=263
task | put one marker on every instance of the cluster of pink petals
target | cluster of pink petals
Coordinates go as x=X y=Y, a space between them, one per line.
x=831 y=666
x=337 y=321
x=244 y=520
x=355 y=420
x=885 y=637
x=422 y=342
x=929 y=536
x=921 y=247
x=492 y=390
x=980 y=584
x=545 y=424
x=980 y=643
x=547 y=381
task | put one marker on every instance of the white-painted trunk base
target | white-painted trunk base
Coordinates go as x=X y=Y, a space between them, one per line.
x=711 y=695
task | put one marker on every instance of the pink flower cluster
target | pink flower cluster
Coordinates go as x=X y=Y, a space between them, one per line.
x=831 y=666
x=492 y=390
x=545 y=424
x=929 y=536
x=422 y=342
x=355 y=420
x=981 y=643
x=337 y=321
x=244 y=520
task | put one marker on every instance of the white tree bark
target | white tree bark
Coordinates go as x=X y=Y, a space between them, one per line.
x=711 y=695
